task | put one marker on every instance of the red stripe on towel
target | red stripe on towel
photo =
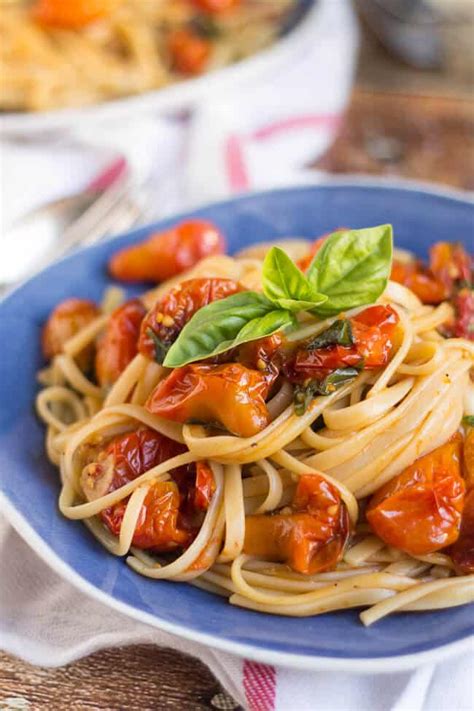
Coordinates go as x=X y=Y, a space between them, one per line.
x=236 y=171
x=296 y=122
x=259 y=686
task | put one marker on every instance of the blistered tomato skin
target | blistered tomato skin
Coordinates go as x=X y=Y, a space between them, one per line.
x=67 y=319
x=451 y=265
x=310 y=538
x=124 y=459
x=230 y=396
x=463 y=326
x=419 y=511
x=118 y=345
x=166 y=254
x=462 y=551
x=420 y=280
x=165 y=320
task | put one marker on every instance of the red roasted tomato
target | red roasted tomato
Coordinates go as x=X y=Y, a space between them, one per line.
x=216 y=6
x=124 y=459
x=462 y=551
x=230 y=396
x=310 y=539
x=263 y=355
x=451 y=265
x=189 y=51
x=419 y=511
x=166 y=254
x=416 y=277
x=118 y=345
x=372 y=332
x=67 y=319
x=165 y=320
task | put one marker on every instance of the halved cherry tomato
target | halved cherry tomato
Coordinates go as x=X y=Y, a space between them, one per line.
x=67 y=319
x=216 y=6
x=125 y=458
x=118 y=345
x=166 y=319
x=310 y=539
x=462 y=551
x=468 y=458
x=451 y=265
x=231 y=396
x=166 y=254
x=189 y=51
x=71 y=14
x=372 y=333
x=419 y=511
x=419 y=280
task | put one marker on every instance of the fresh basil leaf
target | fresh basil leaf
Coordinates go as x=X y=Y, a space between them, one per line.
x=352 y=268
x=286 y=285
x=161 y=348
x=339 y=333
x=305 y=394
x=224 y=324
x=468 y=420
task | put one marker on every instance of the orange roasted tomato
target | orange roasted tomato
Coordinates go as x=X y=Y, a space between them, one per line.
x=166 y=254
x=124 y=459
x=67 y=319
x=118 y=345
x=451 y=265
x=462 y=551
x=230 y=396
x=189 y=51
x=165 y=320
x=365 y=341
x=311 y=538
x=416 y=277
x=216 y=6
x=419 y=511
x=71 y=14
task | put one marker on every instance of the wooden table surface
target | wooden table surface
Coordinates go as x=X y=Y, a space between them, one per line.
x=399 y=123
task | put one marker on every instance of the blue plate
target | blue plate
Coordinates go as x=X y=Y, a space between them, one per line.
x=30 y=484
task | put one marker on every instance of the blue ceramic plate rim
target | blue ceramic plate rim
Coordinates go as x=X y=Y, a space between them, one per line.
x=359 y=664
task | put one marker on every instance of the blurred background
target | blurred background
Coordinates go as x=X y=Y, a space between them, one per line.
x=378 y=88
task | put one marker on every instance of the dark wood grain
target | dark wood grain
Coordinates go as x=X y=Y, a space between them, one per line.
x=136 y=678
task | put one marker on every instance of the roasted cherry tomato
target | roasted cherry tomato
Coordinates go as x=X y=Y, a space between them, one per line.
x=166 y=254
x=463 y=324
x=372 y=332
x=125 y=458
x=71 y=14
x=263 y=355
x=230 y=396
x=420 y=280
x=419 y=511
x=189 y=51
x=166 y=319
x=311 y=538
x=468 y=458
x=118 y=345
x=67 y=319
x=451 y=265
x=216 y=7
x=462 y=551
x=205 y=486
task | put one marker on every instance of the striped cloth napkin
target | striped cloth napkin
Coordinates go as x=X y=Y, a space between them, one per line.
x=261 y=138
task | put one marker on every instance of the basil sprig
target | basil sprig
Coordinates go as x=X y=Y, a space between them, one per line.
x=351 y=269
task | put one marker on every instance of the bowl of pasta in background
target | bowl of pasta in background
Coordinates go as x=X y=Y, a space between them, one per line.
x=298 y=27
x=29 y=483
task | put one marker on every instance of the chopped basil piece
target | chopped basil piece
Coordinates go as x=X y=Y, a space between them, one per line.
x=468 y=420
x=305 y=394
x=205 y=27
x=339 y=333
x=161 y=348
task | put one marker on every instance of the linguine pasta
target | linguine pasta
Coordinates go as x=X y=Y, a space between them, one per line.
x=55 y=59
x=358 y=437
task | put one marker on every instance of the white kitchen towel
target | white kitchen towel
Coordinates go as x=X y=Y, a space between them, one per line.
x=259 y=138
x=47 y=622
